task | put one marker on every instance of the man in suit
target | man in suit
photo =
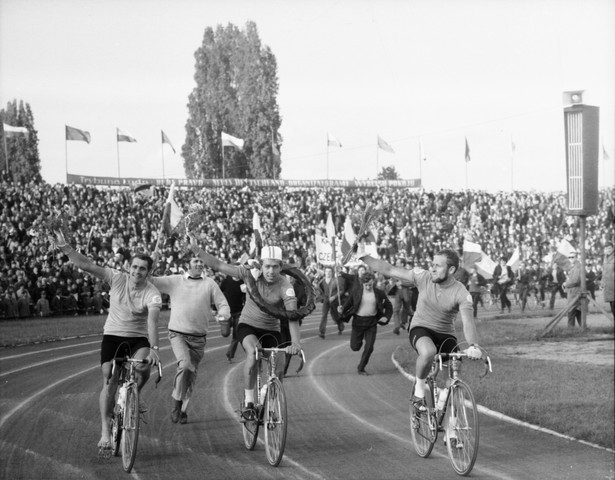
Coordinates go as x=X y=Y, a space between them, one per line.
x=368 y=307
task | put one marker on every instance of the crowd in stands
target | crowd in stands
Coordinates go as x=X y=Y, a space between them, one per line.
x=110 y=224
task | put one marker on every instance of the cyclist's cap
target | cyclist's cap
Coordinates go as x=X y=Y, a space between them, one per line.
x=271 y=253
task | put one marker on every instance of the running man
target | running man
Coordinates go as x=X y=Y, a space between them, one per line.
x=131 y=327
x=192 y=296
x=254 y=324
x=440 y=298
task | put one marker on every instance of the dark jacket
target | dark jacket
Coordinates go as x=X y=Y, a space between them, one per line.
x=384 y=307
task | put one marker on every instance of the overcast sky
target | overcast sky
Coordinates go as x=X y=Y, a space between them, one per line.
x=426 y=72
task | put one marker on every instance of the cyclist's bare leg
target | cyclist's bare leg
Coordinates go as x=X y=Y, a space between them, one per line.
x=426 y=351
x=106 y=399
x=142 y=369
x=250 y=344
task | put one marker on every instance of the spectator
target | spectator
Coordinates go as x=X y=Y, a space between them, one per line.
x=42 y=308
x=608 y=277
x=573 y=290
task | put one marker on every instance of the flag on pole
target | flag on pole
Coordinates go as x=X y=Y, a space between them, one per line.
x=384 y=145
x=256 y=241
x=125 y=136
x=486 y=266
x=166 y=140
x=467 y=150
x=330 y=226
x=230 y=141
x=513 y=262
x=564 y=249
x=472 y=254
x=349 y=237
x=172 y=213
x=10 y=131
x=144 y=190
x=73 y=133
x=332 y=141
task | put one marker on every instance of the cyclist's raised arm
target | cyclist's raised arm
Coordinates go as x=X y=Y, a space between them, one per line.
x=213 y=262
x=386 y=268
x=77 y=259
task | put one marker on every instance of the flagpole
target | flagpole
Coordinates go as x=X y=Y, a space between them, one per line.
x=117 y=145
x=327 y=156
x=377 y=159
x=162 y=152
x=512 y=165
x=466 y=174
x=223 y=161
x=420 y=161
x=6 y=154
x=65 y=155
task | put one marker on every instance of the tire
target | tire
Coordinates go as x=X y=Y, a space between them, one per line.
x=116 y=430
x=461 y=428
x=130 y=427
x=423 y=429
x=275 y=422
x=250 y=432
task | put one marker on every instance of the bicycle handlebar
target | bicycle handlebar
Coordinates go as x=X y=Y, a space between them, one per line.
x=442 y=357
x=143 y=361
x=301 y=354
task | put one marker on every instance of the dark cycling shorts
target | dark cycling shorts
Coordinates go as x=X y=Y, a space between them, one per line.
x=267 y=338
x=444 y=342
x=113 y=346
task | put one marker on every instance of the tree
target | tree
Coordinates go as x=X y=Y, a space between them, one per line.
x=236 y=93
x=388 y=173
x=20 y=158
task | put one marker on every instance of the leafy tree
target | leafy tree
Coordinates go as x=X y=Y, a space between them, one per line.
x=388 y=173
x=23 y=163
x=236 y=92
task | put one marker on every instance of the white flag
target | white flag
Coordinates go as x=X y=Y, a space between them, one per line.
x=230 y=141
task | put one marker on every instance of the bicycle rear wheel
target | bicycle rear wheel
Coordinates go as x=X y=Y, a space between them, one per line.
x=275 y=422
x=250 y=431
x=130 y=427
x=423 y=429
x=461 y=428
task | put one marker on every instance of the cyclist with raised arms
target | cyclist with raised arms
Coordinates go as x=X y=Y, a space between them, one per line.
x=131 y=327
x=440 y=298
x=254 y=324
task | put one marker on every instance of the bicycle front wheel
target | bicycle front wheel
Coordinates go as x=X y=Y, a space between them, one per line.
x=130 y=428
x=423 y=429
x=275 y=422
x=461 y=428
x=250 y=431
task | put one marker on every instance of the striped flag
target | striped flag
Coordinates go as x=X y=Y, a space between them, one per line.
x=513 y=262
x=472 y=254
x=73 y=133
x=384 y=145
x=125 y=137
x=166 y=140
x=230 y=141
x=10 y=131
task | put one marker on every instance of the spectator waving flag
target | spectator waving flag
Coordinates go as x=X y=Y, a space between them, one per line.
x=73 y=133
x=172 y=213
x=513 y=262
x=486 y=266
x=472 y=254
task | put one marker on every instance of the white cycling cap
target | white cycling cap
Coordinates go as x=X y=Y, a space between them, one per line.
x=271 y=253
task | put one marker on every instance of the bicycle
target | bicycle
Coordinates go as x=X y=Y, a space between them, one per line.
x=270 y=407
x=451 y=410
x=125 y=417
